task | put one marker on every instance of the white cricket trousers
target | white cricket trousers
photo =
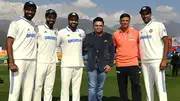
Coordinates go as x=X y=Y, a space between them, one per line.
x=45 y=75
x=153 y=74
x=66 y=75
x=23 y=78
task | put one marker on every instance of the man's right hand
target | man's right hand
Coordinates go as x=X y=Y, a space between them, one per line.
x=107 y=68
x=13 y=67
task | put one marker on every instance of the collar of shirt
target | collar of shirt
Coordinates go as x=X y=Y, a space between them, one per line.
x=46 y=26
x=146 y=26
x=126 y=32
x=28 y=21
x=149 y=23
x=96 y=35
x=68 y=29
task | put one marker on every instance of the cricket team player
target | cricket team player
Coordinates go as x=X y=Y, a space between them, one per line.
x=46 y=57
x=154 y=50
x=21 y=49
x=70 y=40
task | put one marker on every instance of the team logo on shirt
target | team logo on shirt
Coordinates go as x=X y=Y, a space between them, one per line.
x=131 y=36
x=151 y=30
x=45 y=31
x=105 y=41
x=68 y=35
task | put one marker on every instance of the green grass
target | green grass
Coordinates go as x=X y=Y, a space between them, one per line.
x=110 y=90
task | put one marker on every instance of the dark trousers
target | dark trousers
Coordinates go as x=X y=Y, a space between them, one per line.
x=122 y=77
x=175 y=70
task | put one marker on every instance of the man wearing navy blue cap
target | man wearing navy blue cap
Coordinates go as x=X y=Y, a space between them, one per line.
x=46 y=57
x=154 y=50
x=72 y=63
x=145 y=9
x=21 y=50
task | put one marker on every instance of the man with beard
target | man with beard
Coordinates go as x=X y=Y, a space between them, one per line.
x=21 y=49
x=46 y=57
x=154 y=50
x=70 y=40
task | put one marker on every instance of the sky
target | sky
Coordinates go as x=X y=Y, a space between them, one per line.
x=110 y=10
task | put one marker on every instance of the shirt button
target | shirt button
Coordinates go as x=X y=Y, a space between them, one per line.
x=96 y=57
x=97 y=50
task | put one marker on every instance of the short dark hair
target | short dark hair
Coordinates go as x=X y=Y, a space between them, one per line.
x=98 y=19
x=125 y=15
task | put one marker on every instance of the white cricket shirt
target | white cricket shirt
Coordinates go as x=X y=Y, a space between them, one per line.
x=151 y=43
x=23 y=32
x=47 y=44
x=71 y=46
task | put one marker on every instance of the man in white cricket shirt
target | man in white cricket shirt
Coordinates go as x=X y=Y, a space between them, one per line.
x=46 y=57
x=154 y=50
x=21 y=49
x=70 y=40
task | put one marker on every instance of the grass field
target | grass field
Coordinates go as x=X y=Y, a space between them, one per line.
x=110 y=90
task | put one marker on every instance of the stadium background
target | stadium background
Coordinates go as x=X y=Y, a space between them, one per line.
x=110 y=89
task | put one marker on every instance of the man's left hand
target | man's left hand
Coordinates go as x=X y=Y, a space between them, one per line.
x=107 y=68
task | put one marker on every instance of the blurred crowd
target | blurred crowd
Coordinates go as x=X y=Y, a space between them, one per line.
x=175 y=62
